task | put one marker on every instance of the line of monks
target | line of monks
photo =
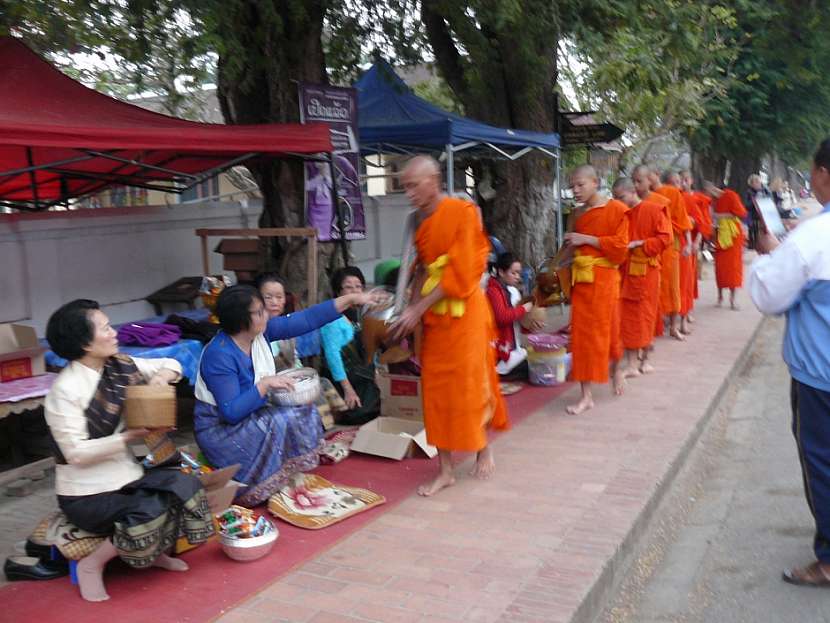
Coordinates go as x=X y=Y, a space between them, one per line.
x=635 y=268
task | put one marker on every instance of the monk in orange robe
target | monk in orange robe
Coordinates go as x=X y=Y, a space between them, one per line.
x=681 y=245
x=729 y=240
x=650 y=232
x=460 y=386
x=698 y=207
x=599 y=243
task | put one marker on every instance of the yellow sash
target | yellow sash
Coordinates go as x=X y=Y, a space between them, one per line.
x=582 y=270
x=728 y=231
x=456 y=307
x=639 y=262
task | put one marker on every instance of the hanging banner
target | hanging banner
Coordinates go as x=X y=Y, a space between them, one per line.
x=336 y=106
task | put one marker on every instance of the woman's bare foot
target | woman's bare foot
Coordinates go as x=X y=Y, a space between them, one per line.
x=579 y=407
x=485 y=465
x=91 y=581
x=441 y=482
x=171 y=564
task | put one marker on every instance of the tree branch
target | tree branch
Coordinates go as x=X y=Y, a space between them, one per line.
x=446 y=52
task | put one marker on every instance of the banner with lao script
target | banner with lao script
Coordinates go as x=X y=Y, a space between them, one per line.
x=336 y=106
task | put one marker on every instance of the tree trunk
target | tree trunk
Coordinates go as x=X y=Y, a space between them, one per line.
x=739 y=171
x=264 y=50
x=708 y=168
x=506 y=81
x=522 y=214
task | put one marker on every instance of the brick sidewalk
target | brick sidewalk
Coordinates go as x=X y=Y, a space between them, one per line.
x=546 y=538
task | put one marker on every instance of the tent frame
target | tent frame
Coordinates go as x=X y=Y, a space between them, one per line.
x=480 y=150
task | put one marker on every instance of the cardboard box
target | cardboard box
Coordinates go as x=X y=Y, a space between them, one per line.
x=393 y=438
x=21 y=355
x=400 y=395
x=243 y=254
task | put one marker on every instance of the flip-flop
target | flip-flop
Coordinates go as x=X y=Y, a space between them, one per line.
x=811 y=575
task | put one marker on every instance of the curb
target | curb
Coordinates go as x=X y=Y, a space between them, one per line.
x=596 y=597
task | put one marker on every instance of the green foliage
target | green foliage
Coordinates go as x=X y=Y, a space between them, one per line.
x=779 y=98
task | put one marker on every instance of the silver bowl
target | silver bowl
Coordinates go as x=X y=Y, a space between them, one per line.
x=306 y=388
x=252 y=548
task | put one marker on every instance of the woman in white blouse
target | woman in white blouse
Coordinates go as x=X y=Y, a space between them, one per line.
x=101 y=487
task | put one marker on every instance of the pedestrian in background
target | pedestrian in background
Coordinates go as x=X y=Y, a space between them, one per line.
x=793 y=278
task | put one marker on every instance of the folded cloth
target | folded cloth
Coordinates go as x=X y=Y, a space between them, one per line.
x=148 y=334
x=200 y=330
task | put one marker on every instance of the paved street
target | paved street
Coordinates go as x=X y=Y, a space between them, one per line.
x=735 y=519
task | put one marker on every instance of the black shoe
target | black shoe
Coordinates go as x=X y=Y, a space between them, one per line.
x=44 y=554
x=29 y=568
x=35 y=550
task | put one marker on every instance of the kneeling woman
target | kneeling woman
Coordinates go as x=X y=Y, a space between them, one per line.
x=101 y=487
x=234 y=421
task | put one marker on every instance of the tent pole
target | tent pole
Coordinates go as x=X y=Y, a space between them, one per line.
x=338 y=210
x=450 y=171
x=558 y=181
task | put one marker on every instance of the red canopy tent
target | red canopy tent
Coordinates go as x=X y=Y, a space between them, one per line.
x=60 y=139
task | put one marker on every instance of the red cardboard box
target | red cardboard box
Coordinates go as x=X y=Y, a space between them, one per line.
x=21 y=355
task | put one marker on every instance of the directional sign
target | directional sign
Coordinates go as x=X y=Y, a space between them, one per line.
x=589 y=134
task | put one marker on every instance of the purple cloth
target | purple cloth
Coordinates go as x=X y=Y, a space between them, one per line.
x=148 y=334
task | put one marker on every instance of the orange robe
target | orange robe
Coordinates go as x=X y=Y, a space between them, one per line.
x=670 y=277
x=640 y=295
x=595 y=306
x=458 y=361
x=698 y=207
x=704 y=204
x=729 y=262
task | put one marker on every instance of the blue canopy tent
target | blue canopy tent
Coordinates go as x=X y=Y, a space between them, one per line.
x=392 y=119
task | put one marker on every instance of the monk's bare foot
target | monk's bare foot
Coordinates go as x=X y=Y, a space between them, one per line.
x=685 y=329
x=734 y=306
x=619 y=383
x=485 y=465
x=676 y=334
x=91 y=581
x=171 y=564
x=646 y=368
x=719 y=303
x=630 y=372
x=441 y=482
x=690 y=318
x=579 y=407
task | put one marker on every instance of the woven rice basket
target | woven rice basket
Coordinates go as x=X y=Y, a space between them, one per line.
x=150 y=406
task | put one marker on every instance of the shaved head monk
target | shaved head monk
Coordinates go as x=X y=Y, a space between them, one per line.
x=670 y=278
x=650 y=233
x=729 y=240
x=600 y=245
x=459 y=382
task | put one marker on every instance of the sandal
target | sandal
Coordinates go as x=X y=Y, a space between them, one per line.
x=811 y=575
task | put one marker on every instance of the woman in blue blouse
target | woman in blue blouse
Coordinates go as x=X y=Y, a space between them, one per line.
x=234 y=422
x=346 y=358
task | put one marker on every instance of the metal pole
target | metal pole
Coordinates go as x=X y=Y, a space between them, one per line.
x=450 y=171
x=558 y=182
x=338 y=210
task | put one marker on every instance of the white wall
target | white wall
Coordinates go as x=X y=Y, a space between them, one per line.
x=116 y=256
x=119 y=256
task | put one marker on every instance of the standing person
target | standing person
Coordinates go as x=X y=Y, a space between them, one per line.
x=458 y=366
x=504 y=298
x=793 y=278
x=729 y=241
x=650 y=232
x=700 y=230
x=755 y=190
x=600 y=244
x=681 y=246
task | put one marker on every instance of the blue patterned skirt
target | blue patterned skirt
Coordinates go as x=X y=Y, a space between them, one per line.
x=271 y=445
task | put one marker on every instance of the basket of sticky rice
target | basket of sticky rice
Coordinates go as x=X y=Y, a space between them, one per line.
x=306 y=384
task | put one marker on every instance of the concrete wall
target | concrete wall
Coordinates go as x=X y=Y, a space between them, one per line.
x=119 y=256
x=116 y=256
